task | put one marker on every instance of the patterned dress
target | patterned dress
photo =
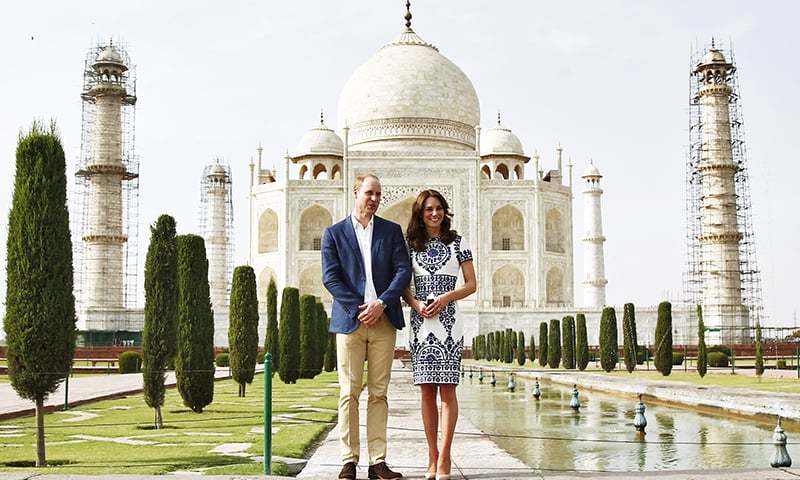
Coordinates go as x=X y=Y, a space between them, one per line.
x=437 y=343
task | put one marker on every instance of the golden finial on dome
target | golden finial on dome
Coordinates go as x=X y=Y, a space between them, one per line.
x=408 y=14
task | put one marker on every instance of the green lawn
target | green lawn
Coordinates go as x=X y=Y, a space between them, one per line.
x=787 y=385
x=103 y=444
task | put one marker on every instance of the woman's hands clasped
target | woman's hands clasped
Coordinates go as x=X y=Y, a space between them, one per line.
x=431 y=310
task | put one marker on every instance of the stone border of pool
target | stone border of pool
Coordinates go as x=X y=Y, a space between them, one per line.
x=738 y=401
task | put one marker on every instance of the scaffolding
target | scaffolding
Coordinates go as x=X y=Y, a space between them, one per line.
x=697 y=266
x=129 y=187
x=216 y=227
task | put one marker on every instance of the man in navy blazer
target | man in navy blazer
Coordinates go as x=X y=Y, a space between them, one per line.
x=365 y=267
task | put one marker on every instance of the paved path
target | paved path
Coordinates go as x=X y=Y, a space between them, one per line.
x=83 y=389
x=473 y=456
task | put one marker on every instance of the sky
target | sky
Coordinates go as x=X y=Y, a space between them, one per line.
x=607 y=80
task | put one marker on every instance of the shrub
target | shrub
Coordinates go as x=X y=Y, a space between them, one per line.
x=581 y=342
x=663 y=339
x=271 y=338
x=759 y=351
x=629 y=340
x=521 y=348
x=609 y=346
x=721 y=348
x=129 y=362
x=702 y=353
x=554 y=344
x=543 y=344
x=223 y=360
x=532 y=349
x=643 y=354
x=717 y=359
x=490 y=346
x=568 y=342
x=780 y=364
x=308 y=343
x=260 y=358
x=677 y=358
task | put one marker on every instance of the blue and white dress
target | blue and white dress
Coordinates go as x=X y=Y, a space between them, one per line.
x=437 y=343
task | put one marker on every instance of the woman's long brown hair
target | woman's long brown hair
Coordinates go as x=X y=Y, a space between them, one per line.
x=416 y=233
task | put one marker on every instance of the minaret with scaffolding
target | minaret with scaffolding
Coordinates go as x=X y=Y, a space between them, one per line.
x=106 y=197
x=722 y=273
x=216 y=227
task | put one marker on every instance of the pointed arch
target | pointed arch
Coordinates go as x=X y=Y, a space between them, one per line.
x=303 y=172
x=264 y=277
x=268 y=231
x=400 y=212
x=519 y=172
x=554 y=287
x=486 y=171
x=311 y=283
x=313 y=222
x=336 y=172
x=508 y=229
x=508 y=287
x=320 y=172
x=554 y=236
x=502 y=170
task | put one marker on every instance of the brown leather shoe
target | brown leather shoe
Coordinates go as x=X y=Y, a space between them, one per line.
x=348 y=471
x=382 y=472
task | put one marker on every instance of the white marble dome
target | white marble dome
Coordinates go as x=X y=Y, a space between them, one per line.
x=320 y=141
x=408 y=90
x=109 y=54
x=713 y=56
x=591 y=171
x=500 y=141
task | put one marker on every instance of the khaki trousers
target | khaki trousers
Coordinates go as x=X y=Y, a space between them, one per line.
x=375 y=345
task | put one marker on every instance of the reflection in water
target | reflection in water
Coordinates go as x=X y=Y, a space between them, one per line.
x=604 y=417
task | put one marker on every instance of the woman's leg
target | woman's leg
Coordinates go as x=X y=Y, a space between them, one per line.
x=430 y=419
x=449 y=418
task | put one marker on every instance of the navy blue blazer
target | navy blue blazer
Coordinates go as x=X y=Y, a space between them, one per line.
x=343 y=271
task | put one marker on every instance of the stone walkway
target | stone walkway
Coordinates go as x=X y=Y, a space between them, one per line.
x=83 y=389
x=473 y=456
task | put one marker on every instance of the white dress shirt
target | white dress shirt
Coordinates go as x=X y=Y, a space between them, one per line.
x=364 y=237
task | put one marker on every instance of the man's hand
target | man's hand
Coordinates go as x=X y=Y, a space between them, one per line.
x=370 y=312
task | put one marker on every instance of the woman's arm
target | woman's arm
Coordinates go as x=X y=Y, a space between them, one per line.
x=465 y=290
x=412 y=302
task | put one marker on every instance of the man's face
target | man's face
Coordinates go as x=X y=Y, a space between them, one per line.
x=368 y=197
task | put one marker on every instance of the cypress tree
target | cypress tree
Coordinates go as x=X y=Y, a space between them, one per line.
x=159 y=336
x=663 y=355
x=194 y=363
x=554 y=344
x=521 y=349
x=490 y=346
x=40 y=306
x=629 y=340
x=543 y=344
x=532 y=349
x=581 y=342
x=759 y=351
x=702 y=354
x=308 y=320
x=568 y=342
x=498 y=342
x=503 y=346
x=271 y=344
x=289 y=333
x=243 y=329
x=609 y=345
x=511 y=345
x=321 y=337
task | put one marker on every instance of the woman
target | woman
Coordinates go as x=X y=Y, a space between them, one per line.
x=437 y=339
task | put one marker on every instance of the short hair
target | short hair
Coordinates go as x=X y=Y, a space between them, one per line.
x=360 y=180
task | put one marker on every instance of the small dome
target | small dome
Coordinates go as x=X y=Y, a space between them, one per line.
x=109 y=55
x=500 y=141
x=320 y=141
x=591 y=171
x=713 y=56
x=216 y=169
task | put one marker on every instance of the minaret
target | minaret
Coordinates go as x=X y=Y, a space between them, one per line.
x=719 y=231
x=594 y=270
x=216 y=225
x=103 y=236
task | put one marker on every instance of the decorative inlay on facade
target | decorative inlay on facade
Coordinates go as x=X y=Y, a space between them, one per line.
x=416 y=155
x=434 y=128
x=393 y=193
x=518 y=204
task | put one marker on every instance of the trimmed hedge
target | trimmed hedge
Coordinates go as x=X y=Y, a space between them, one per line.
x=717 y=359
x=663 y=339
x=554 y=344
x=629 y=341
x=543 y=344
x=568 y=342
x=581 y=342
x=130 y=362
x=609 y=347
x=223 y=359
x=702 y=352
x=677 y=358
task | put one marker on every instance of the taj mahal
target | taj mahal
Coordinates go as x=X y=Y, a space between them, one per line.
x=412 y=117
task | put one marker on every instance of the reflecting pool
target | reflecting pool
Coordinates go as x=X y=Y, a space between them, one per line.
x=676 y=438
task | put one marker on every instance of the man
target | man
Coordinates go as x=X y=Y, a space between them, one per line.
x=365 y=266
